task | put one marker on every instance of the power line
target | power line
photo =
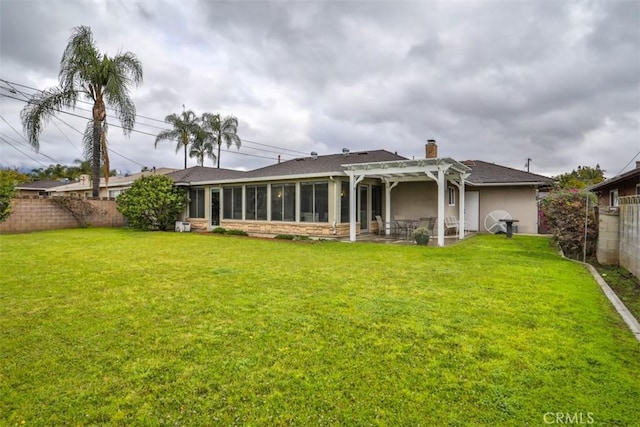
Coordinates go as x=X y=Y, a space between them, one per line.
x=625 y=166
x=22 y=152
x=280 y=149
x=141 y=132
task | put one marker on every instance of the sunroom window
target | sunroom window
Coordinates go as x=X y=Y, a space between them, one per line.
x=196 y=203
x=256 y=202
x=314 y=202
x=283 y=202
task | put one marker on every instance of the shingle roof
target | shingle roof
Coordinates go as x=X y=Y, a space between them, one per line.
x=490 y=173
x=40 y=185
x=322 y=164
x=204 y=174
x=618 y=178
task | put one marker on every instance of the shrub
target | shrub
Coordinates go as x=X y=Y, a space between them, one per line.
x=152 y=203
x=236 y=233
x=7 y=192
x=218 y=230
x=565 y=214
x=285 y=237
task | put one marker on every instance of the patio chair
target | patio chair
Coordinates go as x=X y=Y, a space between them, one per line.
x=381 y=226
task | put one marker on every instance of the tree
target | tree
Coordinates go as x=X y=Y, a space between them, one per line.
x=566 y=213
x=105 y=80
x=583 y=177
x=152 y=203
x=9 y=178
x=185 y=126
x=202 y=145
x=224 y=130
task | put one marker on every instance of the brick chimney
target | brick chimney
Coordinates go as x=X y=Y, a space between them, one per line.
x=431 y=149
x=637 y=164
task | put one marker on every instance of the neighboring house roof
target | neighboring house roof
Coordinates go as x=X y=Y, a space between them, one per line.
x=630 y=175
x=199 y=174
x=114 y=181
x=487 y=174
x=44 y=184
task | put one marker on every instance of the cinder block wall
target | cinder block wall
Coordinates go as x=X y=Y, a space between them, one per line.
x=38 y=214
x=608 y=238
x=630 y=234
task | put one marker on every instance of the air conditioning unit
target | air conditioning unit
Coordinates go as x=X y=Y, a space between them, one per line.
x=183 y=226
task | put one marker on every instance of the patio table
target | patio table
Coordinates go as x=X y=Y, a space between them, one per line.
x=509 y=223
x=407 y=225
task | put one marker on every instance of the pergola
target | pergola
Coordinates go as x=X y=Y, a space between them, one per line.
x=440 y=170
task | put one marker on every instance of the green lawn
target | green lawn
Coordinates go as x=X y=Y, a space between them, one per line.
x=117 y=327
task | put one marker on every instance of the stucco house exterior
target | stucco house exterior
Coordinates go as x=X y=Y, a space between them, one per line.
x=42 y=187
x=117 y=184
x=340 y=195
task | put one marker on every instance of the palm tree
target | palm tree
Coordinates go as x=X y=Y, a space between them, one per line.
x=102 y=79
x=202 y=145
x=224 y=130
x=185 y=127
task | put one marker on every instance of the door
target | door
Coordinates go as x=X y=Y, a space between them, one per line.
x=472 y=210
x=362 y=207
x=215 y=207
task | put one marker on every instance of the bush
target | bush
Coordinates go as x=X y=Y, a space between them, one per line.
x=152 y=203
x=218 y=230
x=565 y=214
x=236 y=233
x=285 y=237
x=7 y=192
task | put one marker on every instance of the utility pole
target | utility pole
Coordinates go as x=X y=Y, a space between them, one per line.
x=528 y=163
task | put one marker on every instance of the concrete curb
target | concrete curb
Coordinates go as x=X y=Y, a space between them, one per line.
x=624 y=312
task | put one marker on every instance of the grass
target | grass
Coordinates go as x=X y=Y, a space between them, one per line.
x=624 y=284
x=103 y=326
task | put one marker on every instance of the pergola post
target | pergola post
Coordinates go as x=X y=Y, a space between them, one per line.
x=353 y=193
x=388 y=186
x=461 y=198
x=441 y=185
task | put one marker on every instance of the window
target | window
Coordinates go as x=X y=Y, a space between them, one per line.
x=283 y=202
x=613 y=198
x=638 y=190
x=256 y=202
x=376 y=200
x=452 y=196
x=344 y=202
x=115 y=193
x=196 y=203
x=232 y=203
x=314 y=202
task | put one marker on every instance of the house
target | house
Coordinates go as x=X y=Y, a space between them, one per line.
x=340 y=195
x=626 y=184
x=116 y=185
x=38 y=188
x=619 y=220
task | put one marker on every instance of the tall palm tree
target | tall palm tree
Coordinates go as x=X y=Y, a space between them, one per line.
x=103 y=79
x=224 y=130
x=185 y=127
x=202 y=145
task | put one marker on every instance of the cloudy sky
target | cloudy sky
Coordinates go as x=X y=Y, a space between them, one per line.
x=501 y=81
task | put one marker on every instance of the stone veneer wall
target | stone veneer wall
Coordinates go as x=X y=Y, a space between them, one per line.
x=312 y=229
x=630 y=234
x=38 y=213
x=608 y=238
